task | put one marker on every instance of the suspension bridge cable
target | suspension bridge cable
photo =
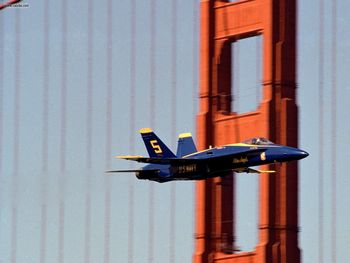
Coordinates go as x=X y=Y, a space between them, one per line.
x=45 y=138
x=63 y=122
x=89 y=109
x=334 y=132
x=131 y=223
x=108 y=187
x=321 y=131
x=174 y=11
x=194 y=80
x=2 y=49
x=16 y=139
x=132 y=127
x=195 y=58
x=151 y=223
x=173 y=68
x=153 y=34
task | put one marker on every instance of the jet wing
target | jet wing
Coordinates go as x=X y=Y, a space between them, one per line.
x=136 y=158
x=205 y=157
x=252 y=171
x=142 y=159
x=153 y=160
x=189 y=159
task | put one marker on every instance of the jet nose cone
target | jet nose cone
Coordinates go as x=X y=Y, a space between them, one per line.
x=303 y=154
x=295 y=153
x=300 y=154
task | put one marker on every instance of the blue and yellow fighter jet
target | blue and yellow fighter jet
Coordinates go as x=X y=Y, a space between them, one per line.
x=190 y=164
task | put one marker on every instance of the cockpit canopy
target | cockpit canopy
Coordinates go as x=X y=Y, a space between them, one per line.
x=258 y=141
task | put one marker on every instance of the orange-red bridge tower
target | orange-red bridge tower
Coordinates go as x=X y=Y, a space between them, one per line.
x=276 y=118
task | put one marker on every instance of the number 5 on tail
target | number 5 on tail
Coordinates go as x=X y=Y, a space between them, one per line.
x=156 y=146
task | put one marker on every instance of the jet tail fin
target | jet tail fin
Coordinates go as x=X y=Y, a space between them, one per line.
x=155 y=147
x=185 y=145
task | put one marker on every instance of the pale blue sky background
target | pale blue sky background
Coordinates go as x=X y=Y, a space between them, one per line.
x=29 y=180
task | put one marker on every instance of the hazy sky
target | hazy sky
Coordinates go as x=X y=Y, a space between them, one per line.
x=77 y=148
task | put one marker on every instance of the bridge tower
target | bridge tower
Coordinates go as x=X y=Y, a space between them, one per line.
x=276 y=118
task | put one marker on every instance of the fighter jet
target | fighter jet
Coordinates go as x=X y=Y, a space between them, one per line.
x=189 y=164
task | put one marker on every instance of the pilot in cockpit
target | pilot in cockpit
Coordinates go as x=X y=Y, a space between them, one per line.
x=256 y=141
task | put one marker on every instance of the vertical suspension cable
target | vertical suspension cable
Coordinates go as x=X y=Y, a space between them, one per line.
x=2 y=41
x=131 y=223
x=153 y=34
x=194 y=81
x=333 y=132
x=194 y=58
x=321 y=124
x=45 y=138
x=109 y=66
x=173 y=125
x=63 y=122
x=2 y=49
x=172 y=222
x=16 y=135
x=173 y=68
x=151 y=223
x=89 y=107
x=132 y=127
x=64 y=64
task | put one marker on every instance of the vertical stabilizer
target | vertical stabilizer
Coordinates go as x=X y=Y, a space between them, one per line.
x=185 y=145
x=155 y=147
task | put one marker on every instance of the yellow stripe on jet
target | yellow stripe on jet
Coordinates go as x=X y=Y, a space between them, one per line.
x=185 y=135
x=191 y=154
x=242 y=144
x=146 y=130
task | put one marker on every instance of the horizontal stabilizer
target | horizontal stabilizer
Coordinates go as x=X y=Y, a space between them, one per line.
x=133 y=171
x=123 y=171
x=131 y=157
x=142 y=159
